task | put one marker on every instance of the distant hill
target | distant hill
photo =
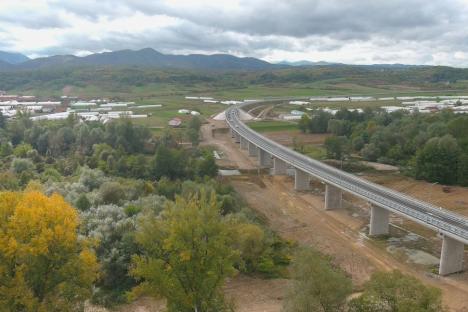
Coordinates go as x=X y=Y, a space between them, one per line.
x=151 y=58
x=307 y=63
x=12 y=58
x=323 y=63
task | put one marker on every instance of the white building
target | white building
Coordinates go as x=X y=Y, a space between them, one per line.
x=299 y=102
x=114 y=105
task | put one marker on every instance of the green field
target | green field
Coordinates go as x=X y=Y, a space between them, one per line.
x=268 y=126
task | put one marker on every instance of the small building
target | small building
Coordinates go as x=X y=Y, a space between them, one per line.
x=175 y=122
x=297 y=113
x=299 y=102
x=184 y=111
x=194 y=113
x=114 y=105
x=290 y=117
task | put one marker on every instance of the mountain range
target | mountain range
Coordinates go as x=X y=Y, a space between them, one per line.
x=12 y=58
x=150 y=58
x=308 y=63
x=143 y=58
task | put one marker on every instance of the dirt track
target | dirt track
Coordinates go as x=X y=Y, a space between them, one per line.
x=300 y=216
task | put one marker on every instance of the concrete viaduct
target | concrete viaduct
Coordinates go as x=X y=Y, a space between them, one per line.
x=452 y=227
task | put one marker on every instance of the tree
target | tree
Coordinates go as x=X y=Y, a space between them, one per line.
x=114 y=229
x=195 y=123
x=370 y=152
x=111 y=193
x=20 y=165
x=438 y=160
x=319 y=123
x=194 y=136
x=208 y=167
x=316 y=285
x=337 y=147
x=167 y=163
x=463 y=169
x=339 y=127
x=83 y=203
x=396 y=292
x=43 y=265
x=188 y=248
x=2 y=121
x=304 y=123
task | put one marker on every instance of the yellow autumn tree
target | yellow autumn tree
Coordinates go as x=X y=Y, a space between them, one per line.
x=44 y=266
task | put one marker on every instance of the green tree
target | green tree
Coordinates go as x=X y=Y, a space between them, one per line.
x=208 y=167
x=370 y=152
x=82 y=203
x=111 y=193
x=304 y=123
x=316 y=285
x=339 y=127
x=463 y=169
x=2 y=121
x=186 y=254
x=438 y=160
x=319 y=123
x=194 y=136
x=396 y=292
x=168 y=163
x=195 y=123
x=337 y=147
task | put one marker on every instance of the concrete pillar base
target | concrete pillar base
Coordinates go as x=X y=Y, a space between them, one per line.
x=379 y=221
x=279 y=167
x=333 y=197
x=233 y=134
x=253 y=150
x=301 y=180
x=264 y=158
x=451 y=257
x=244 y=144
x=237 y=137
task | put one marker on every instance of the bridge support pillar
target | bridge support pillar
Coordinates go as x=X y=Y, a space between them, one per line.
x=279 y=166
x=379 y=221
x=233 y=135
x=333 y=197
x=244 y=144
x=253 y=150
x=237 y=137
x=451 y=257
x=264 y=158
x=301 y=180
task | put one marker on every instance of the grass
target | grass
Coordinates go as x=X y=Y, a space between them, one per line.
x=315 y=151
x=269 y=126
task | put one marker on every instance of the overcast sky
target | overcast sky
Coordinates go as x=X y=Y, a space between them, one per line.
x=348 y=31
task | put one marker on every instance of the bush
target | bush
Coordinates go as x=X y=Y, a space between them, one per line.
x=20 y=165
x=114 y=229
x=111 y=193
x=83 y=203
x=316 y=285
x=395 y=292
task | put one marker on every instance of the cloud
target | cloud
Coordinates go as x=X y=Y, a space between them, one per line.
x=351 y=31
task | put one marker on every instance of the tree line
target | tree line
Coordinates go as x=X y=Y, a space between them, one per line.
x=432 y=147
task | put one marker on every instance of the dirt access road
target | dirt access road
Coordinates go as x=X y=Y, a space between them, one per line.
x=299 y=216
